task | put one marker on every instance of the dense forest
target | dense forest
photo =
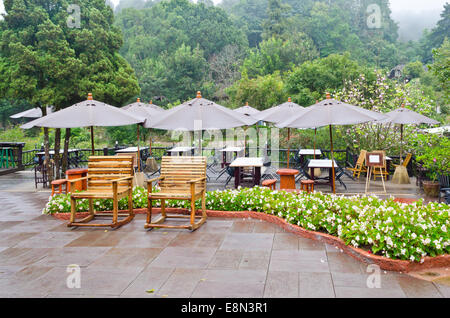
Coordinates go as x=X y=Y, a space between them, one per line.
x=255 y=51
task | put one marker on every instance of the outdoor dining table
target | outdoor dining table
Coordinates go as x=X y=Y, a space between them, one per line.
x=322 y=163
x=247 y=162
x=308 y=152
x=180 y=150
x=132 y=151
x=229 y=149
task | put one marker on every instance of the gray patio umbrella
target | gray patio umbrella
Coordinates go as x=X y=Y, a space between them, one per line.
x=88 y=113
x=280 y=113
x=200 y=114
x=331 y=112
x=404 y=116
x=32 y=113
x=150 y=112
x=247 y=110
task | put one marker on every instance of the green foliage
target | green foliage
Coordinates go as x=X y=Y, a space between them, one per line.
x=441 y=68
x=310 y=81
x=49 y=63
x=275 y=24
x=434 y=155
x=413 y=70
x=261 y=92
x=276 y=54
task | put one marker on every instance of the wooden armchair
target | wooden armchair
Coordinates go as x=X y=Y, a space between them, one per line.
x=359 y=166
x=182 y=178
x=109 y=177
x=405 y=162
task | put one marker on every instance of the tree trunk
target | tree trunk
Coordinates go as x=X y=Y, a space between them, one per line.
x=56 y=156
x=65 y=158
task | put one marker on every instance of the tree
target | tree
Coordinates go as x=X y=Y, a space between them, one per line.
x=275 y=24
x=49 y=61
x=441 y=68
x=276 y=54
x=311 y=80
x=261 y=92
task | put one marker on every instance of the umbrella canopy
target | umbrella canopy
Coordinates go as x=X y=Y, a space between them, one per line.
x=32 y=113
x=247 y=110
x=150 y=112
x=208 y=114
x=280 y=113
x=331 y=112
x=88 y=113
x=200 y=114
x=404 y=116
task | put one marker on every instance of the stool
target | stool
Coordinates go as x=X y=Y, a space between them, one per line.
x=59 y=183
x=307 y=185
x=6 y=156
x=270 y=183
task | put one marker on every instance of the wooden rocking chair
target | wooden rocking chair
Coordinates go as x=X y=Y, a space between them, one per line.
x=182 y=178
x=109 y=177
x=359 y=166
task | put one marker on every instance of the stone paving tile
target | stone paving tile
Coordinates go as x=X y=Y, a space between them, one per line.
x=285 y=241
x=148 y=239
x=209 y=289
x=22 y=256
x=184 y=257
x=226 y=259
x=98 y=238
x=358 y=292
x=81 y=256
x=216 y=225
x=316 y=285
x=49 y=239
x=443 y=289
x=8 y=271
x=360 y=280
x=181 y=283
x=414 y=288
x=281 y=285
x=149 y=279
x=308 y=244
x=248 y=241
x=126 y=257
x=93 y=281
x=341 y=262
x=8 y=224
x=266 y=227
x=243 y=226
x=11 y=239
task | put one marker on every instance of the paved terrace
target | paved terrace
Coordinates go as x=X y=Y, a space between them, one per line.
x=223 y=258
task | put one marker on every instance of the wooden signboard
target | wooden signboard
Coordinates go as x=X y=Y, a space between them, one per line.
x=374 y=159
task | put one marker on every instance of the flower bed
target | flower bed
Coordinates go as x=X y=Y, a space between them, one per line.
x=383 y=227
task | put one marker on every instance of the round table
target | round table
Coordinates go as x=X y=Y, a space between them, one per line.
x=287 y=178
x=73 y=174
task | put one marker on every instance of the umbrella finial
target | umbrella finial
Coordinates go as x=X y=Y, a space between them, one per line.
x=90 y=96
x=138 y=100
x=328 y=96
x=151 y=102
x=403 y=105
x=246 y=103
x=290 y=100
x=199 y=94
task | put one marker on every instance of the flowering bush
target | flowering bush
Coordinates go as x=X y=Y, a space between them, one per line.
x=388 y=228
x=435 y=157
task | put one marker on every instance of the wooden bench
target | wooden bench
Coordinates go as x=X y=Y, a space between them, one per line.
x=182 y=178
x=109 y=177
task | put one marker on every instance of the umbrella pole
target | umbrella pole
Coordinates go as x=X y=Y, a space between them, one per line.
x=150 y=142
x=92 y=140
x=332 y=161
x=288 y=150
x=315 y=132
x=401 y=143
x=138 y=150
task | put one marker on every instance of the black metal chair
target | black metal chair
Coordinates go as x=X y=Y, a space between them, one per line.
x=444 y=186
x=230 y=172
x=41 y=176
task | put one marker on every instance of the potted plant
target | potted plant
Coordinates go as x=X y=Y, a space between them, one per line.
x=437 y=162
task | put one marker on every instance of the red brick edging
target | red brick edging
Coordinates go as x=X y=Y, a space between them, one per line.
x=357 y=253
